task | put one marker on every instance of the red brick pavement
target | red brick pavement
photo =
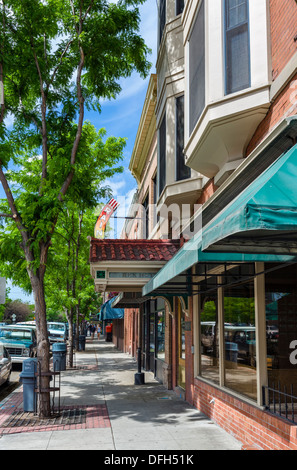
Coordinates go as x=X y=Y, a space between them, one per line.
x=95 y=416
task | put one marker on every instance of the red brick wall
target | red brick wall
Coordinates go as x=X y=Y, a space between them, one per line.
x=283 y=29
x=207 y=192
x=131 y=331
x=285 y=105
x=248 y=424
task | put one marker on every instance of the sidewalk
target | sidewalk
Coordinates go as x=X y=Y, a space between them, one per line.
x=102 y=409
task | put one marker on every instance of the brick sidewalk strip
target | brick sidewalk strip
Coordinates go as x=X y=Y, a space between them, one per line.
x=14 y=420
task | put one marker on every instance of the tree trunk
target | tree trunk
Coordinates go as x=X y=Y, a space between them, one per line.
x=71 y=345
x=43 y=347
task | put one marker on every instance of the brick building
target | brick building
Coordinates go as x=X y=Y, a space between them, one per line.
x=217 y=319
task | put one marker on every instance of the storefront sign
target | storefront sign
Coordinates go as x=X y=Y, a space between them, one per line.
x=130 y=275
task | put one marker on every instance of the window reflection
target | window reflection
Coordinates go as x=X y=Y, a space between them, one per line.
x=281 y=326
x=161 y=335
x=240 y=339
x=210 y=341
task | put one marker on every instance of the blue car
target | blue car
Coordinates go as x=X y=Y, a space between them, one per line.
x=19 y=341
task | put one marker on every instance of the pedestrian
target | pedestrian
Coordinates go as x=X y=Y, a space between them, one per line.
x=98 y=331
x=108 y=331
x=93 y=328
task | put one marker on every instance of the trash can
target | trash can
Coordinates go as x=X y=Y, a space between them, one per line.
x=231 y=354
x=81 y=343
x=28 y=379
x=59 y=356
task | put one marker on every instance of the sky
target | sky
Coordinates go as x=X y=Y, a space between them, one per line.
x=121 y=118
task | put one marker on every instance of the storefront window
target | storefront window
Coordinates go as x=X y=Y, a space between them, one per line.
x=160 y=318
x=152 y=333
x=209 y=341
x=240 y=339
x=281 y=327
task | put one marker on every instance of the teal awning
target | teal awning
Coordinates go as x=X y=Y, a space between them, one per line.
x=108 y=313
x=263 y=218
x=191 y=253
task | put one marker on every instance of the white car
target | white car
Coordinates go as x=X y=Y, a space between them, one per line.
x=5 y=365
x=57 y=332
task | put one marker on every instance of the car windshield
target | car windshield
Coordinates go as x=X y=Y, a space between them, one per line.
x=15 y=334
x=56 y=326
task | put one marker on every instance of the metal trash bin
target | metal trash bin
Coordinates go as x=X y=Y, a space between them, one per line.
x=81 y=343
x=231 y=354
x=28 y=379
x=59 y=356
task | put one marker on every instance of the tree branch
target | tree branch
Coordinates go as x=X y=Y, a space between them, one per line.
x=16 y=216
x=81 y=100
x=43 y=118
x=2 y=102
x=57 y=68
x=6 y=215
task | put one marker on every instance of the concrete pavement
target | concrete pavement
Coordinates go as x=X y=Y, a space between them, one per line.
x=112 y=414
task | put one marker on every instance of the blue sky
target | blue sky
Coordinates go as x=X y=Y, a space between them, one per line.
x=120 y=118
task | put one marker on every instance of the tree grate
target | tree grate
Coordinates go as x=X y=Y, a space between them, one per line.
x=66 y=417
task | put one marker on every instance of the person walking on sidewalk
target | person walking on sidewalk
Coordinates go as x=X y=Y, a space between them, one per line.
x=108 y=331
x=98 y=331
x=93 y=329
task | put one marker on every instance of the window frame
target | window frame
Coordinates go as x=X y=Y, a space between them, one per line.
x=193 y=119
x=179 y=7
x=182 y=171
x=161 y=19
x=162 y=155
x=229 y=31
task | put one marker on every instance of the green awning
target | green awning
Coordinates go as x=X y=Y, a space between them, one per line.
x=263 y=218
x=260 y=225
x=191 y=253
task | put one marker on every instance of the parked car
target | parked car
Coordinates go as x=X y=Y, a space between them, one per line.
x=20 y=342
x=5 y=365
x=57 y=332
x=245 y=339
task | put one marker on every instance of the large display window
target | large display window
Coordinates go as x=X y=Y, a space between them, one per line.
x=281 y=327
x=240 y=339
x=209 y=333
x=228 y=355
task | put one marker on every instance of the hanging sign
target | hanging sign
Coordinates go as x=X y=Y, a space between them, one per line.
x=103 y=218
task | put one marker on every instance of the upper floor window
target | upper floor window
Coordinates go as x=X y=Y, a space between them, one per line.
x=179 y=6
x=146 y=218
x=197 y=68
x=182 y=171
x=162 y=18
x=162 y=155
x=237 y=48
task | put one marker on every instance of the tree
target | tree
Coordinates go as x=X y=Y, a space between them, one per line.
x=69 y=283
x=21 y=311
x=69 y=252
x=44 y=44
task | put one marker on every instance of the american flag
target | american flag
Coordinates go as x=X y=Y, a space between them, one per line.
x=113 y=203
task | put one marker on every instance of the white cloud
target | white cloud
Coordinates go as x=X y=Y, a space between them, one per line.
x=115 y=186
x=8 y=121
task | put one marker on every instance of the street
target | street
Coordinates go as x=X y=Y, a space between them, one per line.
x=5 y=390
